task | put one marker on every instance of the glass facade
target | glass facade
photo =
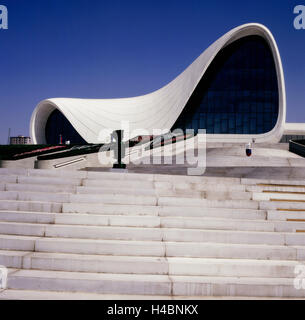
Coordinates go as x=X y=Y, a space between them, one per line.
x=238 y=93
x=57 y=124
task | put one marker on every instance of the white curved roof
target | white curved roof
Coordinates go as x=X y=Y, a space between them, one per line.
x=160 y=109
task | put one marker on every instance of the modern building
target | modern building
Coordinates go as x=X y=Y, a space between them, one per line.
x=235 y=90
x=20 y=140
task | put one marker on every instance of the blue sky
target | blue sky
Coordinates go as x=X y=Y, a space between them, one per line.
x=122 y=48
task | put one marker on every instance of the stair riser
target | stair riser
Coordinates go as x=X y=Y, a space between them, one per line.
x=147 y=222
x=31 y=206
x=8 y=179
x=153 y=249
x=17 y=244
x=105 y=184
x=40 y=188
x=224 y=290
x=181 y=288
x=151 y=234
x=277 y=205
x=273 y=182
x=233 y=252
x=49 y=181
x=92 y=286
x=285 y=215
x=279 y=196
x=172 y=250
x=31 y=196
x=27 y=217
x=172 y=211
x=159 y=268
x=202 y=203
x=274 y=188
x=113 y=199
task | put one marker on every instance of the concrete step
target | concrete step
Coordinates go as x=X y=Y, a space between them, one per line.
x=298 y=216
x=12 y=259
x=156 y=234
x=228 y=195
x=18 y=243
x=265 y=196
x=114 y=183
x=164 y=222
x=164 y=185
x=206 y=223
x=140 y=191
x=107 y=220
x=282 y=204
x=139 y=221
x=54 y=295
x=116 y=190
x=203 y=185
x=49 y=180
x=152 y=248
x=35 y=196
x=151 y=284
x=31 y=206
x=172 y=211
x=233 y=204
x=114 y=199
x=39 y=188
x=177 y=179
x=155 y=265
x=211 y=192
x=148 y=265
x=43 y=173
x=120 y=176
x=150 y=234
x=157 y=222
x=217 y=212
x=216 y=224
x=169 y=249
x=273 y=182
x=12 y=171
x=274 y=188
x=8 y=179
x=231 y=224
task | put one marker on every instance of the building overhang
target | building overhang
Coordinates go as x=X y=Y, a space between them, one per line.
x=160 y=109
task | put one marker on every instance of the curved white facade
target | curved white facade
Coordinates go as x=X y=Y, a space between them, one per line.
x=160 y=109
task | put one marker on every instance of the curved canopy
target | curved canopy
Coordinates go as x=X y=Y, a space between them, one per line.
x=160 y=109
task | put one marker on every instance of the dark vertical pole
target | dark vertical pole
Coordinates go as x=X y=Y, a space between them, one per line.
x=119 y=152
x=119 y=135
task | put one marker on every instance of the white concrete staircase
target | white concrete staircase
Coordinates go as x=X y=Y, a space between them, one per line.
x=107 y=234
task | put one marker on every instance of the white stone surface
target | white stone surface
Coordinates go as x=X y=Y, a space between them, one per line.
x=148 y=243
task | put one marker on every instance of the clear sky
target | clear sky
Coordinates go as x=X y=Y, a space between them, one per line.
x=123 y=48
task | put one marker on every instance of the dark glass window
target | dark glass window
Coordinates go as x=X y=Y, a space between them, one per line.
x=57 y=124
x=238 y=93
